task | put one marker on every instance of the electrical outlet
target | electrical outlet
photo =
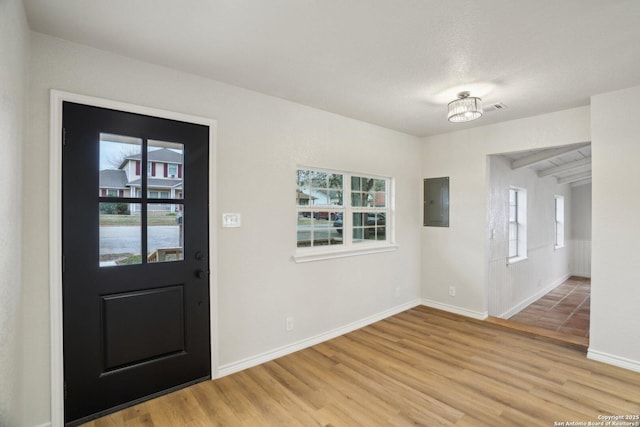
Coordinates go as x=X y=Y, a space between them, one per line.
x=289 y=324
x=397 y=292
x=452 y=291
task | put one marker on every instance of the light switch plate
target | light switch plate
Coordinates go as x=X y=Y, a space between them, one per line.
x=230 y=220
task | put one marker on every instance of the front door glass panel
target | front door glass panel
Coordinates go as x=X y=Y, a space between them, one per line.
x=120 y=164
x=120 y=226
x=165 y=208
x=120 y=234
x=165 y=170
x=125 y=213
x=165 y=232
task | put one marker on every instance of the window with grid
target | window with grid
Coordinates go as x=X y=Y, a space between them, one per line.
x=341 y=210
x=559 y=214
x=517 y=224
x=369 y=209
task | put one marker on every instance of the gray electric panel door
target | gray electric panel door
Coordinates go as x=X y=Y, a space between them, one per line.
x=436 y=202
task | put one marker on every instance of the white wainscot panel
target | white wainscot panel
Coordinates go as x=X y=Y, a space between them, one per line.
x=581 y=257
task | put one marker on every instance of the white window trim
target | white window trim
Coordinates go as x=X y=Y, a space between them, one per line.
x=342 y=253
x=55 y=232
x=348 y=247
x=555 y=208
x=521 y=206
x=517 y=259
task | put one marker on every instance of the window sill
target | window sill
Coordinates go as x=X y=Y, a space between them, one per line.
x=558 y=247
x=342 y=253
x=516 y=260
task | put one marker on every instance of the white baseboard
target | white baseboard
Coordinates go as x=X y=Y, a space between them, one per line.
x=584 y=274
x=454 y=309
x=611 y=359
x=542 y=292
x=47 y=424
x=267 y=356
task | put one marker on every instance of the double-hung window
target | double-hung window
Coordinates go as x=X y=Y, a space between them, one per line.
x=559 y=205
x=369 y=209
x=340 y=211
x=517 y=224
x=321 y=207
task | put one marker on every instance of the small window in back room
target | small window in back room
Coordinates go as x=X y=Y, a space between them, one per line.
x=559 y=207
x=517 y=224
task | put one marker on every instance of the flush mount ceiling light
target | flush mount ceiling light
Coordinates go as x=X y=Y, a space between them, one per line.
x=465 y=108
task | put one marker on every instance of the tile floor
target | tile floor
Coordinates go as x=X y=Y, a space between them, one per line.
x=566 y=309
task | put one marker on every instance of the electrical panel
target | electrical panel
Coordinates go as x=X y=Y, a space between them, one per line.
x=436 y=202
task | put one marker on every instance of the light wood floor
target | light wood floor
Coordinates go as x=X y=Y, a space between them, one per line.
x=420 y=367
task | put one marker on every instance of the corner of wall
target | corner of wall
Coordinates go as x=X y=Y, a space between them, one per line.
x=458 y=255
x=14 y=45
x=615 y=299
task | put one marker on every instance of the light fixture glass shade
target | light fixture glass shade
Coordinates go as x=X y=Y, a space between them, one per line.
x=465 y=108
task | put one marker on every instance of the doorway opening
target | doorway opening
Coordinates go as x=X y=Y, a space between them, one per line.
x=539 y=240
x=150 y=246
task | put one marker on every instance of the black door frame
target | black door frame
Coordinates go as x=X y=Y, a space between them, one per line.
x=55 y=230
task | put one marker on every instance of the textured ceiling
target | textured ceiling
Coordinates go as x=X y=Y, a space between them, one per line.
x=389 y=62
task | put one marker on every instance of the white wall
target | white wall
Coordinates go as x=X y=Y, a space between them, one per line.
x=511 y=287
x=581 y=212
x=456 y=255
x=615 y=275
x=260 y=141
x=14 y=51
x=580 y=232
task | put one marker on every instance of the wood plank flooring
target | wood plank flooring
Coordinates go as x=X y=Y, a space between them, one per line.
x=420 y=367
x=536 y=332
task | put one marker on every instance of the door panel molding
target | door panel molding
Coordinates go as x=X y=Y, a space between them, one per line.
x=168 y=303
x=56 y=262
